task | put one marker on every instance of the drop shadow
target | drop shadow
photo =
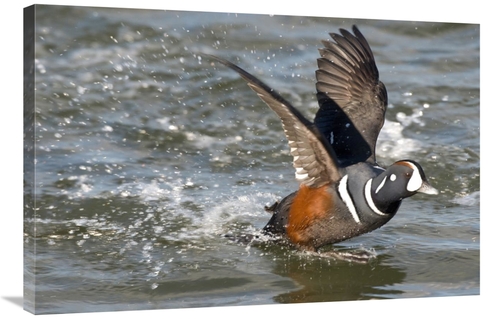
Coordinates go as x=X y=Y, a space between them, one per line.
x=16 y=300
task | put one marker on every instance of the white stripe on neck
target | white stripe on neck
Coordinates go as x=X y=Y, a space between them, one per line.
x=369 y=199
x=344 y=194
x=381 y=185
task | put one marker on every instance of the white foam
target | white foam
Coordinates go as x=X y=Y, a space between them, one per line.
x=392 y=144
x=471 y=199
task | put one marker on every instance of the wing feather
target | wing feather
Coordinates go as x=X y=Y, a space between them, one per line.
x=352 y=99
x=313 y=158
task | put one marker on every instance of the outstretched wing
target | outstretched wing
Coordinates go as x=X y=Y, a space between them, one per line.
x=352 y=100
x=313 y=158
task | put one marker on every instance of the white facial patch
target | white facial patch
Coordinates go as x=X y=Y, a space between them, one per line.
x=415 y=181
x=393 y=177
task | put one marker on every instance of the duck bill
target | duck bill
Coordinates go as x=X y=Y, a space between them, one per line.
x=426 y=188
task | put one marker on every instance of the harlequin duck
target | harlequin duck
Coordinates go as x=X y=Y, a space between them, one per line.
x=343 y=192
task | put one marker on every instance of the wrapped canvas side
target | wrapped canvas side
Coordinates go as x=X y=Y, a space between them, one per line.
x=29 y=160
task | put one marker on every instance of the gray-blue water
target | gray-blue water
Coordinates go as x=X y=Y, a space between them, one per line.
x=147 y=154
